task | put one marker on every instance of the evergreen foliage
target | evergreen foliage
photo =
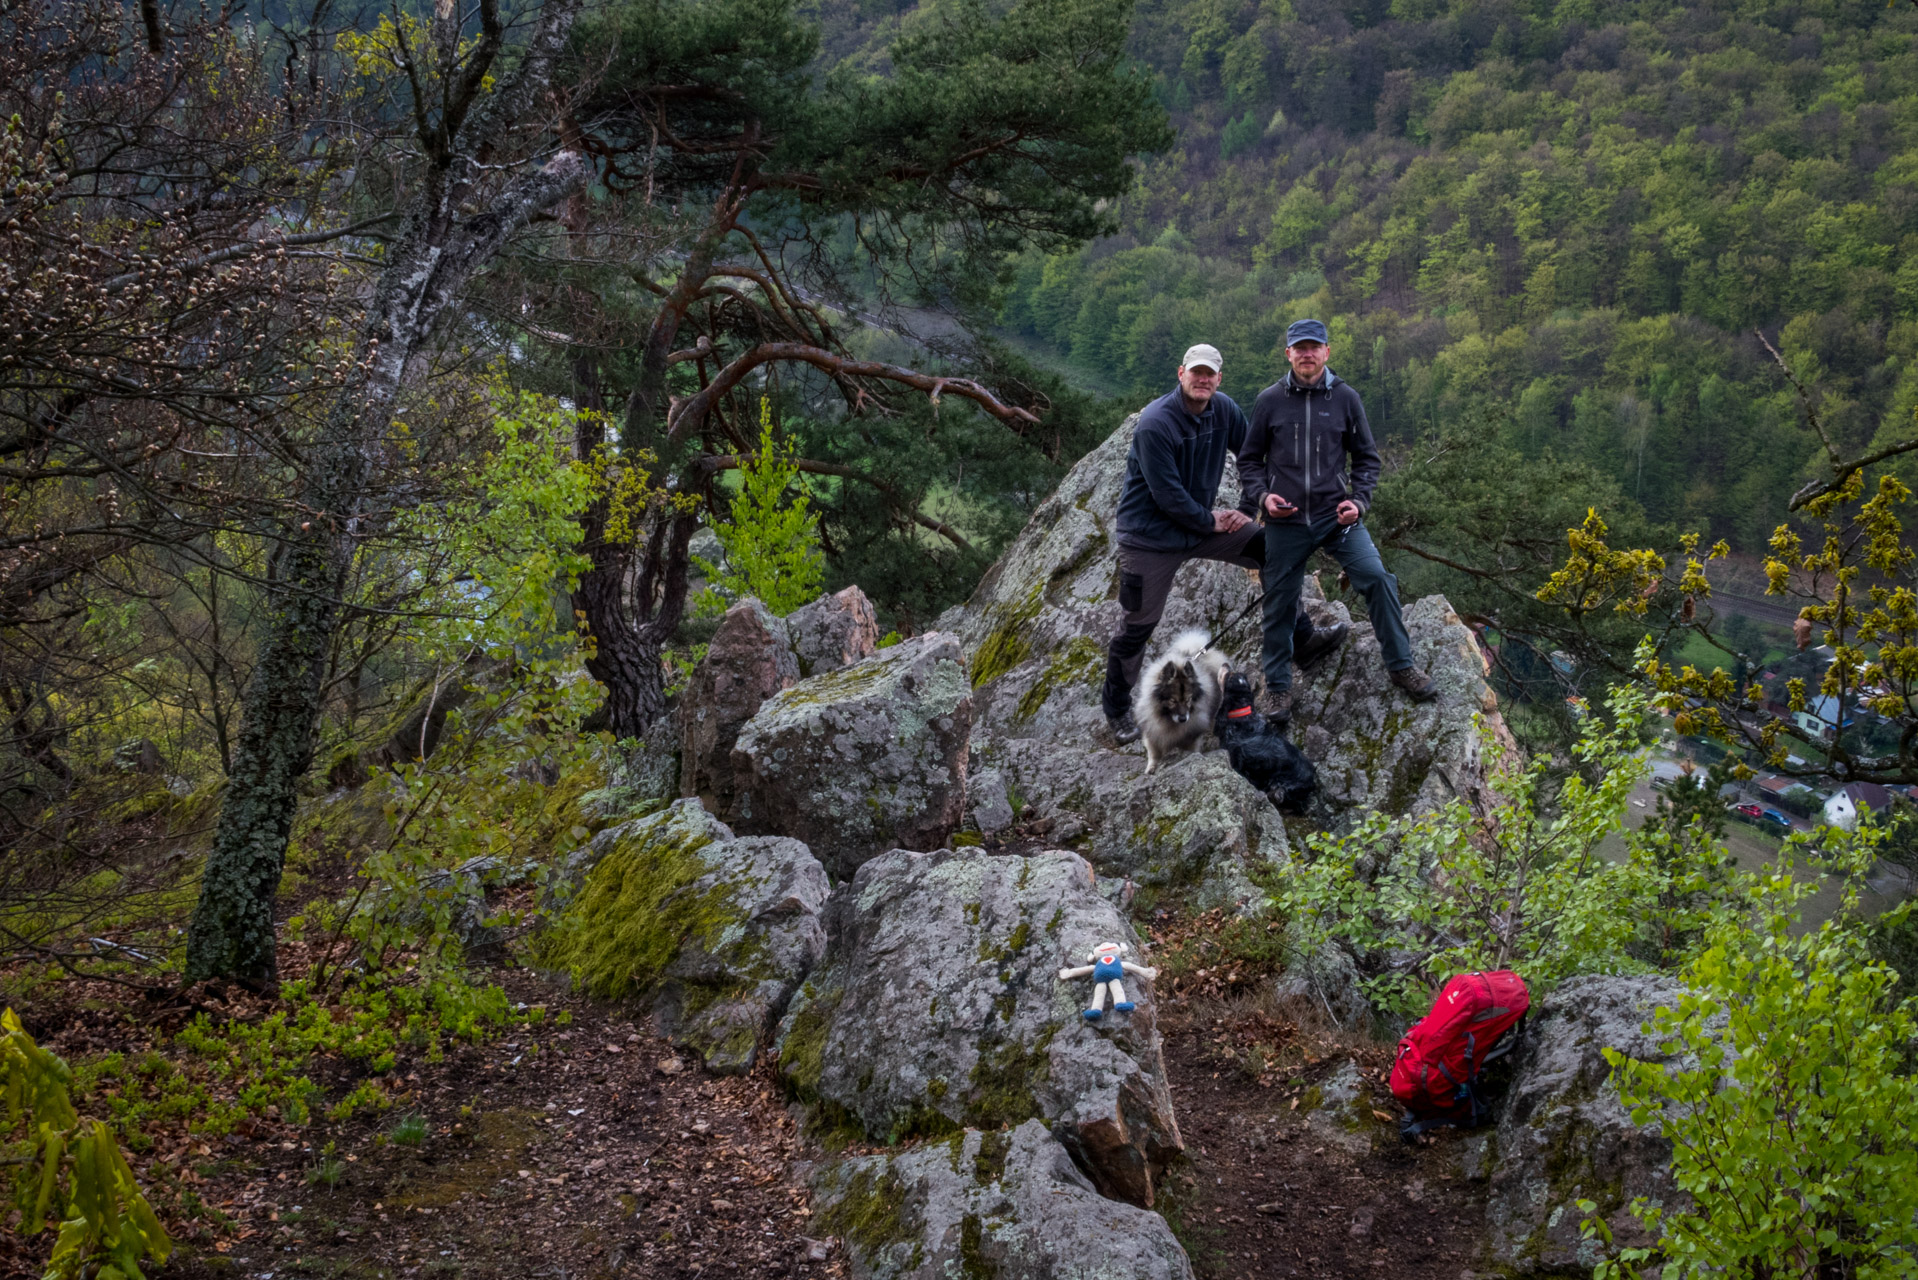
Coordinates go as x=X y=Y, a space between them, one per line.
x=771 y=538
x=1567 y=217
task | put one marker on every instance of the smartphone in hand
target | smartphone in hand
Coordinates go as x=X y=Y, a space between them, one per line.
x=1278 y=505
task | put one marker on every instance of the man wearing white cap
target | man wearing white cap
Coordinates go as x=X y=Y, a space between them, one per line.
x=1166 y=518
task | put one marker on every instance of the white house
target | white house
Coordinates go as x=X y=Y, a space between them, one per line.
x=1845 y=803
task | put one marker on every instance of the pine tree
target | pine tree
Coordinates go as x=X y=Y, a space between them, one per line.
x=772 y=545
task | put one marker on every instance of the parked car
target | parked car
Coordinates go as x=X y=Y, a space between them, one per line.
x=1752 y=811
x=1778 y=819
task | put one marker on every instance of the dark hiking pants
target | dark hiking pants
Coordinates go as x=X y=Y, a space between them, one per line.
x=1145 y=580
x=1287 y=549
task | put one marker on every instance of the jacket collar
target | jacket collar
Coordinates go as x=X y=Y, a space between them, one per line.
x=1325 y=384
x=1176 y=401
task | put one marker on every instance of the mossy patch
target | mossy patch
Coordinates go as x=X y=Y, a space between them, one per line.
x=869 y=1211
x=973 y=1264
x=1000 y=1090
x=1006 y=645
x=1018 y=940
x=802 y=1053
x=639 y=906
x=989 y=1162
x=499 y=1143
x=1083 y=661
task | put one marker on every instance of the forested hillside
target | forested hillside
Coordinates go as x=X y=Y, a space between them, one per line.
x=1559 y=223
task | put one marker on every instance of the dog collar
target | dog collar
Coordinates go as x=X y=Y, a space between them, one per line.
x=1240 y=714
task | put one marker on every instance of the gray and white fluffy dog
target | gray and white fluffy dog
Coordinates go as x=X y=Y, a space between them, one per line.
x=1177 y=697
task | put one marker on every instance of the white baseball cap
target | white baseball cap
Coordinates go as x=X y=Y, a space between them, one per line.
x=1203 y=354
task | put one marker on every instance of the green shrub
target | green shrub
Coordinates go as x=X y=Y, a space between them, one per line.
x=1525 y=887
x=108 y=1227
x=772 y=545
x=1791 y=1107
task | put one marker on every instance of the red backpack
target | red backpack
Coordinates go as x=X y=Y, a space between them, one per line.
x=1442 y=1053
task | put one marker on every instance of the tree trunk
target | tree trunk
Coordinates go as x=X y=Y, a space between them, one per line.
x=435 y=254
x=627 y=650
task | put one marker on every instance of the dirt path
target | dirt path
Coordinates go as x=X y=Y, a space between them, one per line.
x=591 y=1150
x=1276 y=1188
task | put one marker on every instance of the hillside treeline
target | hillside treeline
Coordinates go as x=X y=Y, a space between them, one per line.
x=1559 y=222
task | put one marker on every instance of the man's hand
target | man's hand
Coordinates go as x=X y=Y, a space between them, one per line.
x=1229 y=521
x=1349 y=512
x=1277 y=506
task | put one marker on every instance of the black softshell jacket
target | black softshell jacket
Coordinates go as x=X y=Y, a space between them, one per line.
x=1298 y=444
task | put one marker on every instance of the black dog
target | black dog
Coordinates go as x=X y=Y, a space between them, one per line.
x=1259 y=751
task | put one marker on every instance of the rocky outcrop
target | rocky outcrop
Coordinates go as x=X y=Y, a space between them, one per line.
x=717 y=931
x=833 y=631
x=750 y=659
x=1562 y=1135
x=1191 y=827
x=1034 y=634
x=1006 y=1204
x=863 y=759
x=1341 y=1111
x=940 y=1006
x=1036 y=627
x=1375 y=748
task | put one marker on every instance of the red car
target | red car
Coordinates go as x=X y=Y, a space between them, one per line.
x=1752 y=811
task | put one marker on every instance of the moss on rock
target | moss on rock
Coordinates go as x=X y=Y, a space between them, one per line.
x=1006 y=645
x=869 y=1211
x=639 y=906
x=802 y=1051
x=1083 y=661
x=1000 y=1090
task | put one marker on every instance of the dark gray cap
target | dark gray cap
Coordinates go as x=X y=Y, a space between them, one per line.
x=1306 y=331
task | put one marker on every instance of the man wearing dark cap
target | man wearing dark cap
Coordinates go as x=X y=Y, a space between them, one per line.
x=1165 y=518
x=1306 y=428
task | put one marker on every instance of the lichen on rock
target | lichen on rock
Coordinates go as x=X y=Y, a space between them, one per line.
x=1375 y=749
x=862 y=759
x=939 y=1006
x=988 y=1204
x=1562 y=1134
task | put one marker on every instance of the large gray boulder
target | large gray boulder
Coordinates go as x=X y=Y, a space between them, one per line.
x=749 y=660
x=862 y=759
x=1191 y=828
x=940 y=1006
x=1375 y=748
x=1005 y=1204
x=1562 y=1135
x=1035 y=632
x=833 y=631
x=716 y=931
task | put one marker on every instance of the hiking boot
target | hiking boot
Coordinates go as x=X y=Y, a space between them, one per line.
x=1123 y=727
x=1324 y=641
x=1417 y=685
x=1276 y=705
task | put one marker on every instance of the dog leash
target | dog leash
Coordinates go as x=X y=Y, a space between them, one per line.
x=1237 y=618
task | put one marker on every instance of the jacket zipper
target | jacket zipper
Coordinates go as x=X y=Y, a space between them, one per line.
x=1311 y=458
x=1301 y=450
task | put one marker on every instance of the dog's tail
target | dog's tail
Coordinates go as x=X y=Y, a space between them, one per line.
x=1188 y=645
